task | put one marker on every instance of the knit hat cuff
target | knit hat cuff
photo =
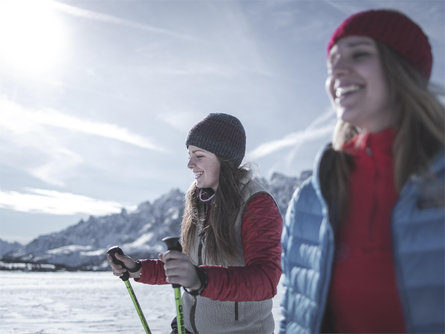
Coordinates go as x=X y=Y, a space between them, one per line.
x=393 y=29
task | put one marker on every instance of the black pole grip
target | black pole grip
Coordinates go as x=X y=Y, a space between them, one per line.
x=112 y=251
x=173 y=244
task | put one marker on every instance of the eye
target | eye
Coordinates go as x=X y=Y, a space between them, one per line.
x=359 y=54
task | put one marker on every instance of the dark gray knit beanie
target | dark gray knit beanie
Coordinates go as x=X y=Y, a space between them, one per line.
x=221 y=134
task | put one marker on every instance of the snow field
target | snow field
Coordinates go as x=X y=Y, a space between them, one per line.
x=84 y=302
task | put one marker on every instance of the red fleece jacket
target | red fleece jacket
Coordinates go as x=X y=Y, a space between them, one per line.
x=258 y=280
x=363 y=296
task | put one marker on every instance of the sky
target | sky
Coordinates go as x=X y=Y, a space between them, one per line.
x=97 y=96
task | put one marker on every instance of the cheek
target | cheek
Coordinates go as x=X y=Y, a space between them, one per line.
x=211 y=169
x=216 y=172
x=380 y=90
x=375 y=76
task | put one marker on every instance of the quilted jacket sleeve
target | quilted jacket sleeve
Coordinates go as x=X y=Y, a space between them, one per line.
x=152 y=272
x=258 y=280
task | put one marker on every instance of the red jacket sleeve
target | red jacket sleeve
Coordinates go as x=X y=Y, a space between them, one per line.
x=258 y=280
x=152 y=272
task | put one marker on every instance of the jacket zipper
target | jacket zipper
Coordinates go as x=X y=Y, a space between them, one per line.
x=192 y=315
x=236 y=311
x=373 y=213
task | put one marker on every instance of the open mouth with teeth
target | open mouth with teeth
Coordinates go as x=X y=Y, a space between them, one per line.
x=198 y=174
x=344 y=91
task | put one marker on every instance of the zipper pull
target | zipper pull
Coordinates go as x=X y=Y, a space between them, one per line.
x=368 y=151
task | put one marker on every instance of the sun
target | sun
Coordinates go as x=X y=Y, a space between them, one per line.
x=33 y=37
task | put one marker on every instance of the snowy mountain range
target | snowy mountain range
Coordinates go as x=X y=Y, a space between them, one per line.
x=138 y=233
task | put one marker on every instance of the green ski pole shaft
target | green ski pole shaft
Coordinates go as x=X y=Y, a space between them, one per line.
x=137 y=306
x=179 y=312
x=125 y=278
x=173 y=244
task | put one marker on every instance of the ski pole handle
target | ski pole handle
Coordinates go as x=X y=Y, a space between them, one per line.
x=125 y=276
x=173 y=244
x=112 y=251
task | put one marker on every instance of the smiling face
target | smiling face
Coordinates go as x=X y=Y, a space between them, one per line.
x=356 y=84
x=205 y=165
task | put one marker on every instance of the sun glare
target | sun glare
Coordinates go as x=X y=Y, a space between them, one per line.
x=32 y=36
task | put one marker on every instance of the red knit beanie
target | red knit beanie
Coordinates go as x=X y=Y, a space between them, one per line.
x=395 y=30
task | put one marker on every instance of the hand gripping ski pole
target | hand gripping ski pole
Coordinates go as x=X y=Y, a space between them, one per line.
x=173 y=244
x=125 y=276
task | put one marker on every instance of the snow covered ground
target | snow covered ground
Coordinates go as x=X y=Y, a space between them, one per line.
x=83 y=302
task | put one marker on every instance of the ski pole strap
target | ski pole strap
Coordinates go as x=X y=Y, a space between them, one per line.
x=202 y=275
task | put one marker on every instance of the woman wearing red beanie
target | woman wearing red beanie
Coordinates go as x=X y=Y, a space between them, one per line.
x=364 y=239
x=230 y=232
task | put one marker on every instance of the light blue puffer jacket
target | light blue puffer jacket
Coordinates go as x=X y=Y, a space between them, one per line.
x=418 y=234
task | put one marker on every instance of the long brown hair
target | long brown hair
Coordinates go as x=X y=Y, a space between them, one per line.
x=223 y=209
x=420 y=128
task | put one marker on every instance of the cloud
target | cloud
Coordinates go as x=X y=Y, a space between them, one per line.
x=60 y=166
x=21 y=120
x=88 y=14
x=28 y=144
x=316 y=130
x=56 y=203
x=61 y=120
x=345 y=7
x=177 y=119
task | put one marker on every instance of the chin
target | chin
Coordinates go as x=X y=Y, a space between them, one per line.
x=201 y=185
x=347 y=116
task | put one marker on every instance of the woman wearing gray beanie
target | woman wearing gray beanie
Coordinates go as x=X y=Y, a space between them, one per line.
x=231 y=229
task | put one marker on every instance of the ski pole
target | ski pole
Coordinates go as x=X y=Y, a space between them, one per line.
x=173 y=244
x=125 y=276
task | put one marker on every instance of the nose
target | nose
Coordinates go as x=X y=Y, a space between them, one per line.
x=190 y=163
x=339 y=67
x=336 y=70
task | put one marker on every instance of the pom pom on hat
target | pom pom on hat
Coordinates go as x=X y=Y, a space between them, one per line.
x=221 y=134
x=393 y=29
